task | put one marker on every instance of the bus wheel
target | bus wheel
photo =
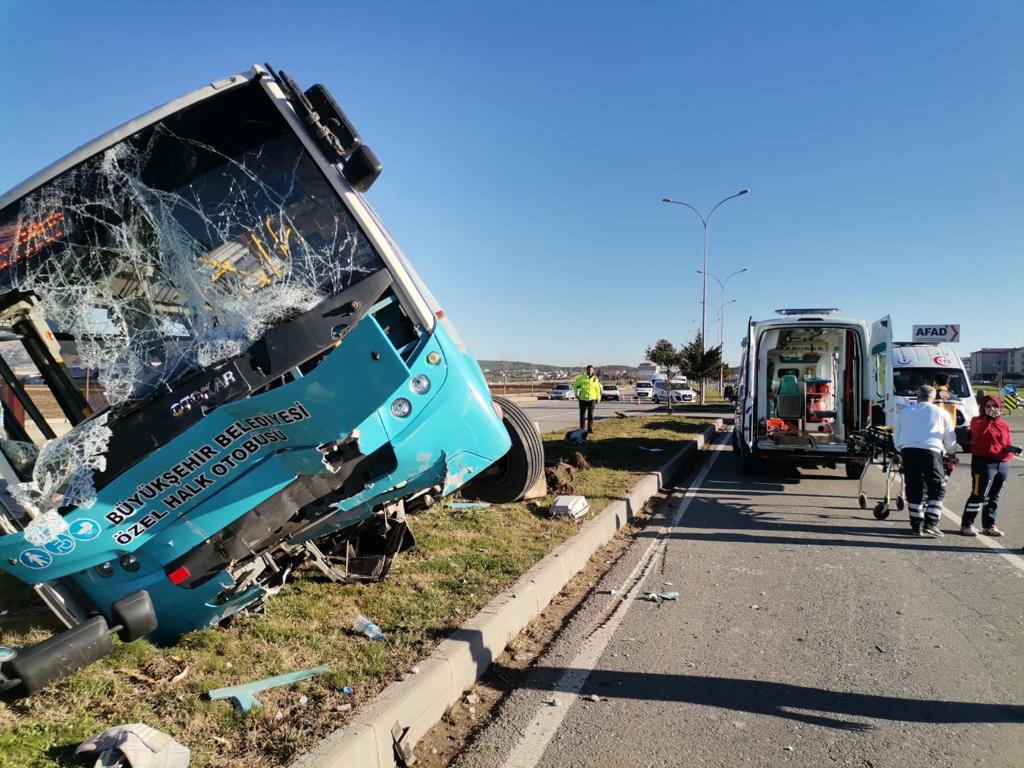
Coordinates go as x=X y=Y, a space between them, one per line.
x=511 y=476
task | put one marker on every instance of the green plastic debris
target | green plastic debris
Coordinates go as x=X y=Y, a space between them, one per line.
x=242 y=696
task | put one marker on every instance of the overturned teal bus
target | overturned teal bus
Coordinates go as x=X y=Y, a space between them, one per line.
x=248 y=372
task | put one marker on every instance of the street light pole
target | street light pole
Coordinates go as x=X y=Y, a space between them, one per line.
x=705 y=220
x=721 y=324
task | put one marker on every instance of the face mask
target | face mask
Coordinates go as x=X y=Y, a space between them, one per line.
x=991 y=412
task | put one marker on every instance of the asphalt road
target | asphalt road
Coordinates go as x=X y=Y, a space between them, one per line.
x=564 y=414
x=806 y=633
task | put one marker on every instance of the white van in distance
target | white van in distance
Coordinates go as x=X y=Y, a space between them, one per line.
x=678 y=390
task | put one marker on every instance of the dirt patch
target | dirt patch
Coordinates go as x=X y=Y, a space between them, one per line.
x=475 y=707
x=579 y=461
x=561 y=479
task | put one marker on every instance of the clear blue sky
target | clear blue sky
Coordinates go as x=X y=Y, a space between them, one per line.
x=527 y=145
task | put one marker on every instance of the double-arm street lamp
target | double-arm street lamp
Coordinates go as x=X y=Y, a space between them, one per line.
x=705 y=220
x=721 y=319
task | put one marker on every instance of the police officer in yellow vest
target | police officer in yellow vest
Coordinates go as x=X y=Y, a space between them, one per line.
x=588 y=392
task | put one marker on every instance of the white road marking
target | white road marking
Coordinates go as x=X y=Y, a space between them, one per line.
x=1015 y=560
x=538 y=734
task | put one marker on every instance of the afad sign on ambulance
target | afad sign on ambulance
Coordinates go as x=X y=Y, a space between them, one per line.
x=936 y=334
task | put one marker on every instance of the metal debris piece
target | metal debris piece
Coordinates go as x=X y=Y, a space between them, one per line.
x=657 y=597
x=242 y=696
x=403 y=747
x=468 y=505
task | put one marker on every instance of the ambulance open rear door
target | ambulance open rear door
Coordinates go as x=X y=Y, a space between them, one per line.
x=749 y=389
x=879 y=384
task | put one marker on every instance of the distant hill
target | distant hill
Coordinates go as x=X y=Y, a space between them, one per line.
x=521 y=369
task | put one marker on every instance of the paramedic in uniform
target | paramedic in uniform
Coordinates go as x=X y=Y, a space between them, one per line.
x=923 y=432
x=588 y=391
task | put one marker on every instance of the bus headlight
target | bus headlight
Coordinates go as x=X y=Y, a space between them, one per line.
x=401 y=408
x=420 y=384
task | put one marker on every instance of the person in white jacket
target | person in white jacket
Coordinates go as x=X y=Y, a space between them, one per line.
x=923 y=433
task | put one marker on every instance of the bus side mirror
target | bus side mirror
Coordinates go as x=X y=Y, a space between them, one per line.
x=362 y=169
x=334 y=120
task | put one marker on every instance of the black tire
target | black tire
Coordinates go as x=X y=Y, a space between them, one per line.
x=853 y=470
x=749 y=465
x=900 y=503
x=862 y=500
x=880 y=511
x=511 y=476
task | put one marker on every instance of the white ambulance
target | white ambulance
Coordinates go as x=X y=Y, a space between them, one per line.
x=807 y=381
x=915 y=363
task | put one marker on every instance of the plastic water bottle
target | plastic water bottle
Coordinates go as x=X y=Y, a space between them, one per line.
x=367 y=627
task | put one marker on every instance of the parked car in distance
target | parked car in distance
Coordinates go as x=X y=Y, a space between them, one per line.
x=644 y=390
x=686 y=394
x=678 y=389
x=562 y=392
x=610 y=392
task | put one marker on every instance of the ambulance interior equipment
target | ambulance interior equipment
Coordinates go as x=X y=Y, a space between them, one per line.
x=800 y=366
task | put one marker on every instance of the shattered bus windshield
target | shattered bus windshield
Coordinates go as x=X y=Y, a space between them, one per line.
x=179 y=246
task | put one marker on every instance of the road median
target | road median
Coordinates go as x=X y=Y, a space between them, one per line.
x=409 y=707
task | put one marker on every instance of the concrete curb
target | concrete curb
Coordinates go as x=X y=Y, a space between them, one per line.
x=418 y=702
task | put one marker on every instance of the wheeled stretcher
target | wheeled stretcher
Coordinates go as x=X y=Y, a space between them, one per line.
x=876 y=445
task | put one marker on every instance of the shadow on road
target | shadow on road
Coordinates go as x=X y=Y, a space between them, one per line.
x=732 y=521
x=815 y=706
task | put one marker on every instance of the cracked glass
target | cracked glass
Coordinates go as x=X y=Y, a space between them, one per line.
x=175 y=249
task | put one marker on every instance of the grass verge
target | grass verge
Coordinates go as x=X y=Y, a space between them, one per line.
x=462 y=559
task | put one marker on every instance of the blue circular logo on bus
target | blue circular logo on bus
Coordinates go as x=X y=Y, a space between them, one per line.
x=60 y=545
x=84 y=529
x=35 y=558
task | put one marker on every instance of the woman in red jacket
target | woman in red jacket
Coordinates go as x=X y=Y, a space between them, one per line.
x=991 y=453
